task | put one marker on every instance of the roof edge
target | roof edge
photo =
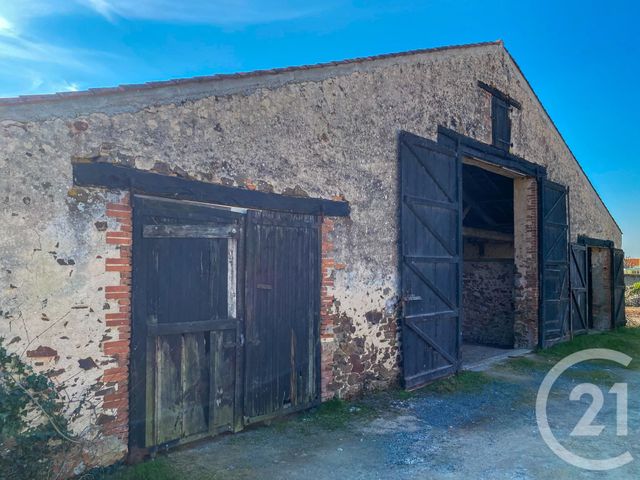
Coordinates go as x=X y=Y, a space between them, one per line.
x=555 y=127
x=95 y=92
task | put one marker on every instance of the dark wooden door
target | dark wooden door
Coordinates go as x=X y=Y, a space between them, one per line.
x=186 y=321
x=579 y=289
x=555 y=263
x=619 y=318
x=282 y=344
x=431 y=251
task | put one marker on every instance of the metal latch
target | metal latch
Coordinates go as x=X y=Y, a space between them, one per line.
x=411 y=298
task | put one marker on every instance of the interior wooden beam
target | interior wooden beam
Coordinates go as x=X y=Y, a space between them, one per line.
x=487 y=234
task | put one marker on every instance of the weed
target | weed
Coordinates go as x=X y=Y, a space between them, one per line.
x=34 y=437
x=158 y=469
x=335 y=413
x=403 y=394
x=462 y=382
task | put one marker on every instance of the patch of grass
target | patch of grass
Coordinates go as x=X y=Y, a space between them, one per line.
x=625 y=340
x=462 y=382
x=400 y=394
x=601 y=376
x=525 y=365
x=158 y=469
x=336 y=414
x=528 y=365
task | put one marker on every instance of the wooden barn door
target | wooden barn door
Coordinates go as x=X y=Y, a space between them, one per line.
x=282 y=341
x=431 y=251
x=186 y=321
x=579 y=276
x=555 y=263
x=619 y=318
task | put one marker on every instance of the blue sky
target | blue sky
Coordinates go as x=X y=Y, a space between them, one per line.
x=581 y=57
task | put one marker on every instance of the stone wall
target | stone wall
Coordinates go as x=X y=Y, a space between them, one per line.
x=631 y=279
x=323 y=132
x=488 y=302
x=601 y=288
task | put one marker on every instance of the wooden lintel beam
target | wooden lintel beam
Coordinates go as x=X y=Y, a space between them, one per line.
x=108 y=175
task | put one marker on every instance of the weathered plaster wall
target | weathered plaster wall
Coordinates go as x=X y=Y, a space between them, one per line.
x=52 y=280
x=320 y=132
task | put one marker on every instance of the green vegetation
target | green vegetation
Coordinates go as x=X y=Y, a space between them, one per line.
x=526 y=365
x=158 y=469
x=465 y=381
x=462 y=382
x=33 y=432
x=336 y=413
x=624 y=339
x=634 y=290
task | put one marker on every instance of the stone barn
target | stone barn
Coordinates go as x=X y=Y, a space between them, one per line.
x=188 y=257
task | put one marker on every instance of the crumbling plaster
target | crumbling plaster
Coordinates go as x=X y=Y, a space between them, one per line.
x=333 y=133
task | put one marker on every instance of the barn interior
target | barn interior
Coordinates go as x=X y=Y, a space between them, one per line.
x=599 y=285
x=488 y=263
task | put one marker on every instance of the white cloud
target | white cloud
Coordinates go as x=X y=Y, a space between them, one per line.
x=5 y=25
x=29 y=63
x=213 y=12
x=19 y=11
x=217 y=12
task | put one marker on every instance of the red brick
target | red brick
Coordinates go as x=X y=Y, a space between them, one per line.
x=118 y=268
x=118 y=241
x=117 y=261
x=119 y=206
x=116 y=288
x=117 y=346
x=118 y=235
x=115 y=403
x=117 y=295
x=117 y=323
x=114 y=371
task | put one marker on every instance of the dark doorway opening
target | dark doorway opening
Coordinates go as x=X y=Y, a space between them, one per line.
x=599 y=264
x=488 y=266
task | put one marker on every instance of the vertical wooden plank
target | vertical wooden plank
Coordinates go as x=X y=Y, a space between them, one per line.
x=151 y=423
x=195 y=383
x=169 y=389
x=223 y=381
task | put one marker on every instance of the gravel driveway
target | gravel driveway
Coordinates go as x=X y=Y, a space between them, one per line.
x=478 y=426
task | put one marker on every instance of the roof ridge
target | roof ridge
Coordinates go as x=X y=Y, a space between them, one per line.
x=92 y=92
